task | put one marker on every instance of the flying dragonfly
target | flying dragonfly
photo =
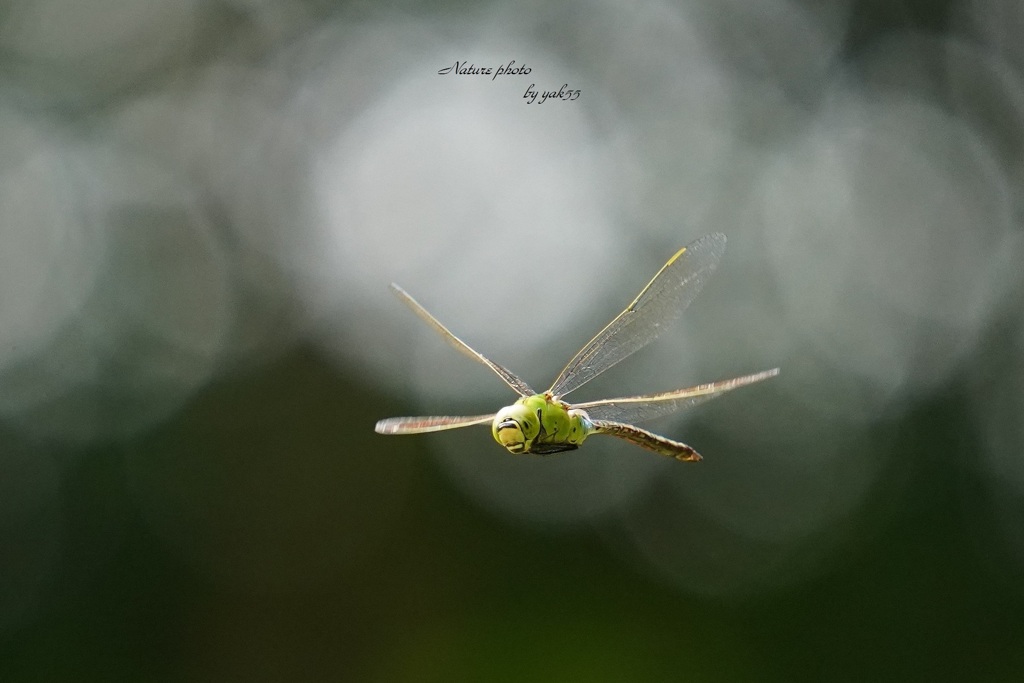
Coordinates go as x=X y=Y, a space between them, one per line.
x=544 y=423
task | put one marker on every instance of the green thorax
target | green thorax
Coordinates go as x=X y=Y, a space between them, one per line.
x=540 y=424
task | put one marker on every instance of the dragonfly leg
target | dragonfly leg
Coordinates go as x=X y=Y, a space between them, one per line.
x=645 y=439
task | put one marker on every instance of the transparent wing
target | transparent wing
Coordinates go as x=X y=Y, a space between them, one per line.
x=650 y=406
x=661 y=301
x=419 y=425
x=518 y=385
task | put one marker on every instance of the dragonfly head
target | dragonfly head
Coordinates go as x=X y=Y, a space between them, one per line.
x=516 y=426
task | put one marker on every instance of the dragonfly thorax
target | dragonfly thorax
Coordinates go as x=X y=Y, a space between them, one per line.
x=540 y=424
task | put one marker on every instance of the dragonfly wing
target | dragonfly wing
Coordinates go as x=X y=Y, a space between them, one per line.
x=661 y=301
x=518 y=385
x=419 y=425
x=647 y=407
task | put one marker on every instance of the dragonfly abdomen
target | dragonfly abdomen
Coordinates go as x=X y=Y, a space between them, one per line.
x=648 y=440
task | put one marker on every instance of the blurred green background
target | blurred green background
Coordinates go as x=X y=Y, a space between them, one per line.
x=204 y=203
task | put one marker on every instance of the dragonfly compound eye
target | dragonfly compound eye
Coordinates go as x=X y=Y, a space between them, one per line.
x=515 y=428
x=510 y=435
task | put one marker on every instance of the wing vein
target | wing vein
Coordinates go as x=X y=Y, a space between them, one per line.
x=517 y=384
x=421 y=425
x=663 y=300
x=649 y=406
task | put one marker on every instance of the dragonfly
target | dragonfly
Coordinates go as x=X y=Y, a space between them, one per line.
x=544 y=423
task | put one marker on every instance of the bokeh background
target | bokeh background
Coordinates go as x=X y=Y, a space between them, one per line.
x=202 y=205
